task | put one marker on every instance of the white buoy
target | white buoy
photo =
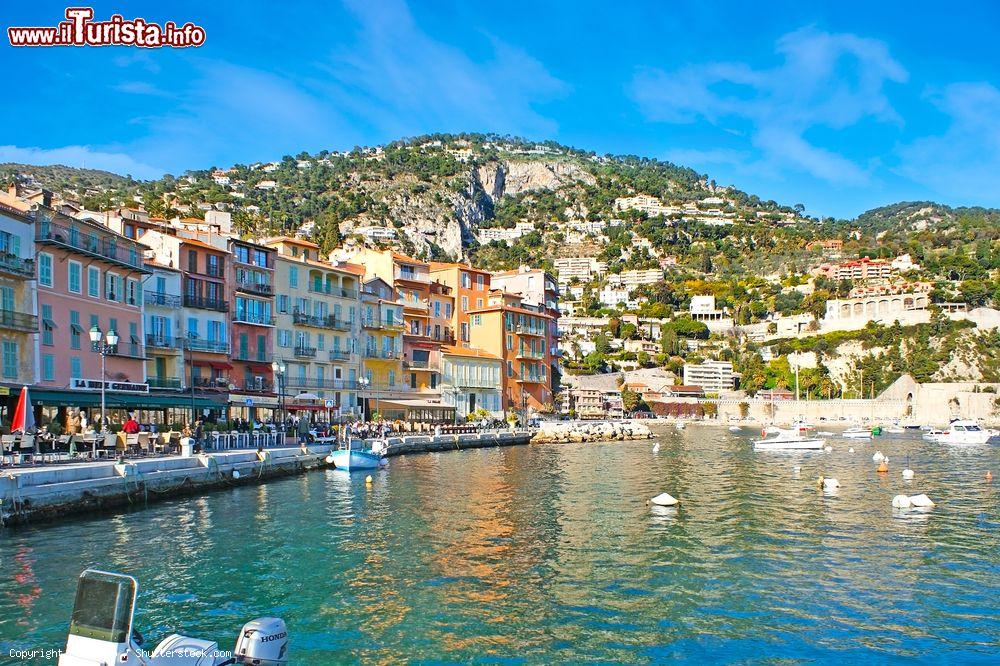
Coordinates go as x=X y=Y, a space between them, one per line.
x=830 y=484
x=878 y=457
x=901 y=502
x=664 y=499
x=656 y=447
x=850 y=450
x=908 y=474
x=828 y=449
x=329 y=460
x=921 y=500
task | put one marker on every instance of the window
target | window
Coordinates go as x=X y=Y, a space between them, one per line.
x=466 y=281
x=45 y=269
x=293 y=277
x=465 y=303
x=447 y=310
x=392 y=378
x=510 y=369
x=283 y=303
x=480 y=283
x=437 y=309
x=320 y=341
x=9 y=359
x=75 y=273
x=477 y=320
x=465 y=332
x=93 y=281
x=75 y=368
x=192 y=261
x=48 y=368
x=75 y=330
x=7 y=299
x=479 y=303
x=510 y=342
x=113 y=287
x=47 y=325
x=133 y=294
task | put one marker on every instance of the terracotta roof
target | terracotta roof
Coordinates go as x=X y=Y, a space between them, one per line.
x=289 y=239
x=157 y=265
x=445 y=265
x=410 y=260
x=463 y=351
x=198 y=243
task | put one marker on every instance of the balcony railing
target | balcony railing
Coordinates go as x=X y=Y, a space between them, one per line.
x=527 y=353
x=305 y=352
x=412 y=276
x=416 y=365
x=117 y=250
x=164 y=383
x=529 y=378
x=214 y=383
x=15 y=265
x=339 y=355
x=18 y=321
x=163 y=342
x=530 y=330
x=129 y=349
x=259 y=288
x=318 y=321
x=260 y=386
x=192 y=301
x=218 y=271
x=332 y=290
x=256 y=319
x=388 y=354
x=248 y=356
x=329 y=384
x=382 y=324
x=213 y=346
x=160 y=298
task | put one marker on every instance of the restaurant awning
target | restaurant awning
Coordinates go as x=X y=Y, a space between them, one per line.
x=57 y=398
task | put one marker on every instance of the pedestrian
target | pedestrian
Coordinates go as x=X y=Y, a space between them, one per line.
x=303 y=430
x=84 y=421
x=73 y=422
x=131 y=426
x=199 y=430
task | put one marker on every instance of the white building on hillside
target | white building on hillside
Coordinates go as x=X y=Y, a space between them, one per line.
x=712 y=376
x=581 y=268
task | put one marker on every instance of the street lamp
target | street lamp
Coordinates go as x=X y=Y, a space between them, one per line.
x=278 y=367
x=108 y=346
x=363 y=382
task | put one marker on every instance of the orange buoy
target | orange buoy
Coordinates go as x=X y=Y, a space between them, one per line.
x=883 y=467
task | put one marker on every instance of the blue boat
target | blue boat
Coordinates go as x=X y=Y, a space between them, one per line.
x=356 y=457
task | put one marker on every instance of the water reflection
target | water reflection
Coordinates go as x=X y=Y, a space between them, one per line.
x=551 y=553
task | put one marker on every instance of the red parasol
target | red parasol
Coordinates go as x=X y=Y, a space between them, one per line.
x=24 y=415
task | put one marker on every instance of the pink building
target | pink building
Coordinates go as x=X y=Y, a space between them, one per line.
x=87 y=275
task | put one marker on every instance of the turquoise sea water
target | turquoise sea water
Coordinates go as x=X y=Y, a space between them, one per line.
x=550 y=554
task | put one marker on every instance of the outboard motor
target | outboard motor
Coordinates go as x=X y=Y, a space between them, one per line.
x=262 y=642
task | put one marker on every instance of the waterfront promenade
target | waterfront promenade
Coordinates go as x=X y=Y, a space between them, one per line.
x=50 y=492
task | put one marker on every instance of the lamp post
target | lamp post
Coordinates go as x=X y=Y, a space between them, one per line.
x=363 y=382
x=278 y=367
x=103 y=347
x=191 y=336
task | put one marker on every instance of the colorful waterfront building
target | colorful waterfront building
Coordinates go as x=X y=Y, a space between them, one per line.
x=88 y=276
x=163 y=328
x=382 y=343
x=205 y=311
x=318 y=323
x=18 y=311
x=520 y=333
x=470 y=288
x=251 y=293
x=471 y=380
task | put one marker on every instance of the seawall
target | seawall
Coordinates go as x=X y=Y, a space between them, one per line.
x=50 y=492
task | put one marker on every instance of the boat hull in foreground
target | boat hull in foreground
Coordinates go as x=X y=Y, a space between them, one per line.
x=355 y=460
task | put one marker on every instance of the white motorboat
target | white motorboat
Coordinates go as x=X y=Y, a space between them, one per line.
x=355 y=457
x=778 y=439
x=895 y=429
x=932 y=434
x=961 y=431
x=734 y=428
x=857 y=432
x=101 y=631
x=680 y=425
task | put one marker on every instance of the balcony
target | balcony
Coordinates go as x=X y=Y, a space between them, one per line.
x=91 y=242
x=417 y=365
x=162 y=299
x=385 y=324
x=212 y=383
x=128 y=349
x=333 y=290
x=530 y=379
x=305 y=352
x=168 y=383
x=212 y=346
x=315 y=321
x=527 y=353
x=383 y=354
x=251 y=318
x=161 y=342
x=247 y=356
x=257 y=288
x=469 y=383
x=192 y=301
x=339 y=355
x=261 y=385
x=412 y=276
x=17 y=321
x=324 y=384
x=530 y=330
x=218 y=271
x=14 y=265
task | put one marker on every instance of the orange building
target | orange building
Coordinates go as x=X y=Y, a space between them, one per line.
x=470 y=288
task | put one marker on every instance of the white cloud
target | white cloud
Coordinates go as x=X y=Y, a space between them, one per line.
x=825 y=80
x=964 y=161
x=83 y=157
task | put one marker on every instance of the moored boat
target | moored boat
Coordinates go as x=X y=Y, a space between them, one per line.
x=787 y=439
x=857 y=432
x=964 y=432
x=355 y=457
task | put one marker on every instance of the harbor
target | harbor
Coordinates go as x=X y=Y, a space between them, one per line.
x=524 y=552
x=51 y=492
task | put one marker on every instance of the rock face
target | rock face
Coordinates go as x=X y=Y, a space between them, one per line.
x=513 y=178
x=590 y=432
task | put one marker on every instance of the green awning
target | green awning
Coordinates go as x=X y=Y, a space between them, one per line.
x=51 y=398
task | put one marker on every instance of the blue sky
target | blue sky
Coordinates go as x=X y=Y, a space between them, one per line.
x=841 y=107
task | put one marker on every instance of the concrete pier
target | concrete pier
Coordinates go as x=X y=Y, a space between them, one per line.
x=33 y=494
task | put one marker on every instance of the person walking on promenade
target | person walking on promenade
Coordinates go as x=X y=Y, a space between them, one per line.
x=199 y=430
x=303 y=430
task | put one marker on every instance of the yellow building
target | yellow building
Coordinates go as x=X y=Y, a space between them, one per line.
x=381 y=343
x=471 y=380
